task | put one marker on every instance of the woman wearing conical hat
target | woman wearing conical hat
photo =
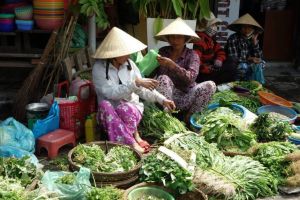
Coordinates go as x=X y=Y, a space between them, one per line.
x=213 y=63
x=244 y=47
x=119 y=84
x=179 y=68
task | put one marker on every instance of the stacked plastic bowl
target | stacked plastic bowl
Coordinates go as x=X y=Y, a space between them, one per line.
x=24 y=18
x=48 y=14
x=7 y=22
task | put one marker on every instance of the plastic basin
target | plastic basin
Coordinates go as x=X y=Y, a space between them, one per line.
x=24 y=25
x=272 y=99
x=212 y=107
x=147 y=191
x=290 y=113
x=294 y=141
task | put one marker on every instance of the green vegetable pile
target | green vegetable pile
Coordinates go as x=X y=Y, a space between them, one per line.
x=158 y=124
x=18 y=168
x=228 y=130
x=105 y=193
x=224 y=177
x=268 y=128
x=236 y=178
x=11 y=189
x=251 y=103
x=272 y=155
x=118 y=159
x=162 y=169
x=68 y=179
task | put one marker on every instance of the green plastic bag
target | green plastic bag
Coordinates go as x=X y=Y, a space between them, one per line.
x=72 y=192
x=149 y=63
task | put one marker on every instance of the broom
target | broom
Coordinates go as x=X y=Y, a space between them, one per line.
x=30 y=86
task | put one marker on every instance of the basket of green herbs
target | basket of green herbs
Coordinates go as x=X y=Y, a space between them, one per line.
x=109 y=162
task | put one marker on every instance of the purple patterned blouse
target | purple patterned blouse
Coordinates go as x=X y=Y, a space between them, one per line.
x=186 y=72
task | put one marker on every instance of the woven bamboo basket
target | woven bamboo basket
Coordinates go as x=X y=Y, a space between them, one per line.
x=109 y=178
x=194 y=195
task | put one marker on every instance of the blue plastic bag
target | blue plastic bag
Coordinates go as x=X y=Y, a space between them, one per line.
x=75 y=191
x=257 y=73
x=50 y=123
x=9 y=151
x=15 y=134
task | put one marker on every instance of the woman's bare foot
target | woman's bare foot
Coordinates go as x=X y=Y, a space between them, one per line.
x=138 y=148
x=137 y=136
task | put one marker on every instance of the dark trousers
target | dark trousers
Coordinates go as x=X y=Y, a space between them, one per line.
x=226 y=74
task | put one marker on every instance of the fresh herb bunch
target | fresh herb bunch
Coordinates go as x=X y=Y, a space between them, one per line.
x=158 y=124
x=251 y=103
x=160 y=168
x=236 y=178
x=18 y=168
x=272 y=155
x=268 y=128
x=11 y=189
x=105 y=193
x=118 y=159
x=205 y=152
x=228 y=130
x=68 y=179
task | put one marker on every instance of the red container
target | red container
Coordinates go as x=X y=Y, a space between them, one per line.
x=7 y=21
x=73 y=114
x=49 y=24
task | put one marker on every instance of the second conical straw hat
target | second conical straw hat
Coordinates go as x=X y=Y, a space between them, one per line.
x=244 y=20
x=177 y=27
x=118 y=43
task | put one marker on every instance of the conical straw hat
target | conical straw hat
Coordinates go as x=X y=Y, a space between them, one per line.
x=244 y=20
x=177 y=27
x=118 y=43
x=207 y=22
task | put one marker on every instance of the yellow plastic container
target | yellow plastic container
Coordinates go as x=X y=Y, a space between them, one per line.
x=90 y=128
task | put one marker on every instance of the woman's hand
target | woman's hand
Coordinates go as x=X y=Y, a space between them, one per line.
x=165 y=62
x=254 y=60
x=148 y=83
x=170 y=105
x=254 y=38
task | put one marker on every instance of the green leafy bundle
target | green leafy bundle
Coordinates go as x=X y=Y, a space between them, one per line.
x=272 y=155
x=105 y=193
x=18 y=168
x=160 y=168
x=11 y=189
x=205 y=152
x=68 y=179
x=158 y=124
x=118 y=159
x=228 y=130
x=268 y=128
x=236 y=178
x=251 y=103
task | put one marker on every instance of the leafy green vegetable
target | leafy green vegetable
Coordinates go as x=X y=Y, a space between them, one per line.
x=68 y=179
x=160 y=168
x=18 y=168
x=272 y=155
x=268 y=128
x=105 y=193
x=228 y=130
x=158 y=124
x=118 y=159
x=251 y=103
x=11 y=189
x=249 y=178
